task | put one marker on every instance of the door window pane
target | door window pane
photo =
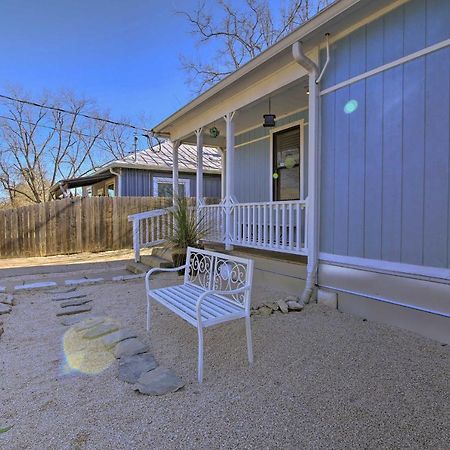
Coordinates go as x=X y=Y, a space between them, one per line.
x=286 y=146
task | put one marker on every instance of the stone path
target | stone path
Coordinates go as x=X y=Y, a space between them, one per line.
x=136 y=365
x=6 y=305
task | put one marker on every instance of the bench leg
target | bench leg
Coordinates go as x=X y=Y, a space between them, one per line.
x=248 y=330
x=200 y=354
x=149 y=313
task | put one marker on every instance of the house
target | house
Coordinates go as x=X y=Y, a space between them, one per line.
x=353 y=178
x=149 y=173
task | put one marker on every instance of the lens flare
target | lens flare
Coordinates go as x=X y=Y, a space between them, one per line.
x=351 y=106
x=88 y=356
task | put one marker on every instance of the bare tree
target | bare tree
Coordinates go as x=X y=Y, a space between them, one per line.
x=236 y=34
x=39 y=146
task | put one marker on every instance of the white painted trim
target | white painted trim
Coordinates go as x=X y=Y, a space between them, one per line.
x=387 y=266
x=301 y=124
x=252 y=141
x=397 y=62
x=185 y=181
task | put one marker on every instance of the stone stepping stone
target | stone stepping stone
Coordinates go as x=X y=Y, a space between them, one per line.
x=158 y=382
x=130 y=347
x=68 y=321
x=100 y=330
x=76 y=302
x=113 y=339
x=5 y=309
x=68 y=296
x=64 y=290
x=132 y=367
x=88 y=323
x=7 y=299
x=74 y=310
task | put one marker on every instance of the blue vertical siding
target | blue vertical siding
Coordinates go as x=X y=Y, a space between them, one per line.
x=253 y=182
x=385 y=191
x=138 y=182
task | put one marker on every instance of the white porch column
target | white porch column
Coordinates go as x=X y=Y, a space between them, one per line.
x=229 y=180
x=175 y=145
x=199 y=177
x=223 y=174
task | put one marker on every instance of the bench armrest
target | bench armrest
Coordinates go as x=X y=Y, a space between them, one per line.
x=160 y=269
x=213 y=291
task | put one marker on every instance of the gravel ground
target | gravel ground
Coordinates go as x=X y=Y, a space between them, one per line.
x=321 y=379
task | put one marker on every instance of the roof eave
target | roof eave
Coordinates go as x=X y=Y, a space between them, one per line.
x=323 y=17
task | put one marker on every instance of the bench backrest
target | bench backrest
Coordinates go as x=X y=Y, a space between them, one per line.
x=213 y=270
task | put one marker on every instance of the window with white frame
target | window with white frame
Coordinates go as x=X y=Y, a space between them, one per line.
x=162 y=187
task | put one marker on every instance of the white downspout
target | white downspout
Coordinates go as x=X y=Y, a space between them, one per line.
x=119 y=182
x=313 y=170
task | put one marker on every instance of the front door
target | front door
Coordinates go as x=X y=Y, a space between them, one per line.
x=287 y=162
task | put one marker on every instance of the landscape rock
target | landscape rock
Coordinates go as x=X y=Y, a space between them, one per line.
x=72 y=320
x=113 y=339
x=89 y=322
x=76 y=302
x=132 y=367
x=32 y=286
x=74 y=310
x=100 y=330
x=7 y=299
x=295 y=306
x=158 y=382
x=291 y=298
x=83 y=281
x=265 y=311
x=130 y=347
x=283 y=306
x=272 y=305
x=5 y=309
x=67 y=296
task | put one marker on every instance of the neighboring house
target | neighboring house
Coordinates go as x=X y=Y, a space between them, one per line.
x=149 y=173
x=359 y=156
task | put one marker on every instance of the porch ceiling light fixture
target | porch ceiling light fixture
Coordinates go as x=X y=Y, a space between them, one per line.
x=269 y=119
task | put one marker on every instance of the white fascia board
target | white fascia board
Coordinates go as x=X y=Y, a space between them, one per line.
x=154 y=168
x=327 y=14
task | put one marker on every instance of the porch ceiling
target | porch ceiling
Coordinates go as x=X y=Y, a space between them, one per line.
x=283 y=102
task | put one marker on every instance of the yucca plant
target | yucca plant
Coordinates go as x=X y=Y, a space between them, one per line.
x=189 y=229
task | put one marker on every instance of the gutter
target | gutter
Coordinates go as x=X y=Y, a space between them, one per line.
x=313 y=169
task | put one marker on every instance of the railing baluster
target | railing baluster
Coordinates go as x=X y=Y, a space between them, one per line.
x=264 y=225
x=298 y=228
x=283 y=226
x=254 y=228
x=277 y=226
x=291 y=226
x=249 y=233
x=271 y=226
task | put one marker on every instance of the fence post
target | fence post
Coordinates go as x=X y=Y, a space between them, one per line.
x=136 y=241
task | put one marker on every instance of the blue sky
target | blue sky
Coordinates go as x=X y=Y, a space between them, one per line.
x=122 y=53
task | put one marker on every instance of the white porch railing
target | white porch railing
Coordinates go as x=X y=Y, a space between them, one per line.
x=150 y=228
x=275 y=226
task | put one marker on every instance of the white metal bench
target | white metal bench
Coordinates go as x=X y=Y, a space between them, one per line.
x=216 y=289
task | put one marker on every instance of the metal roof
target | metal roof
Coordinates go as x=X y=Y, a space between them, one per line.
x=160 y=157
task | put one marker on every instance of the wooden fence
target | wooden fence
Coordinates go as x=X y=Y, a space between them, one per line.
x=75 y=225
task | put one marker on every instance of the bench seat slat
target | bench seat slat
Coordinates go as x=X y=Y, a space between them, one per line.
x=218 y=302
x=161 y=294
x=183 y=297
x=190 y=300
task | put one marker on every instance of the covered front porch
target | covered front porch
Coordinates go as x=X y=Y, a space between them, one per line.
x=265 y=175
